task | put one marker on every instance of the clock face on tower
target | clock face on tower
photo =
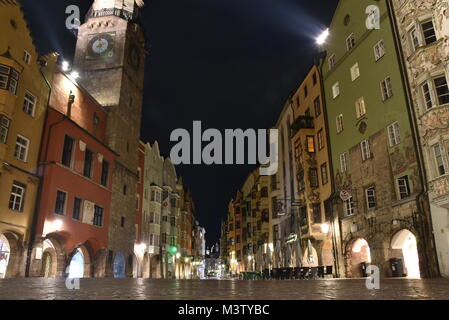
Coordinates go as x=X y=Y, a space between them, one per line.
x=100 y=46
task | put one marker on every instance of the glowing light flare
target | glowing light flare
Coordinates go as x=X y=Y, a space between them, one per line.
x=74 y=75
x=325 y=228
x=65 y=66
x=321 y=39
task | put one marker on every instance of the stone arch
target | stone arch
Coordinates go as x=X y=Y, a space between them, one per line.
x=48 y=259
x=357 y=252
x=404 y=246
x=15 y=266
x=83 y=252
x=119 y=265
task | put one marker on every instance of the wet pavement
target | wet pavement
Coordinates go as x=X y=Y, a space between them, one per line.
x=148 y=289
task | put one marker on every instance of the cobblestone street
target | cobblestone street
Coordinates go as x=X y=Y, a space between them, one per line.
x=146 y=289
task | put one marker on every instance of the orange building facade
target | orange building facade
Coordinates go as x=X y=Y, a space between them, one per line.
x=71 y=230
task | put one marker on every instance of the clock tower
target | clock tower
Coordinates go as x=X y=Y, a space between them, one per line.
x=110 y=57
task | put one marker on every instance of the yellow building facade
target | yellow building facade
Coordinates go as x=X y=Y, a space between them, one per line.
x=24 y=94
x=312 y=167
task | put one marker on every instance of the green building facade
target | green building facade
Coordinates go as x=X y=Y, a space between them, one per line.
x=382 y=210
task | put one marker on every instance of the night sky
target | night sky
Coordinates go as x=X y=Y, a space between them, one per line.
x=229 y=63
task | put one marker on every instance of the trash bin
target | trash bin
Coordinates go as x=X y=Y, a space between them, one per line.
x=397 y=267
x=363 y=267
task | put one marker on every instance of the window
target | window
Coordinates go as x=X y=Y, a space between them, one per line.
x=164 y=238
x=403 y=187
x=315 y=79
x=26 y=57
x=317 y=106
x=414 y=38
x=238 y=238
x=393 y=134
x=344 y=162
x=320 y=139
x=316 y=208
x=264 y=192
x=67 y=152
x=340 y=126
x=324 y=176
x=350 y=42
x=122 y=222
x=306 y=91
x=172 y=221
x=4 y=128
x=441 y=169
x=379 y=50
x=366 y=152
x=387 y=91
x=237 y=224
x=310 y=144
x=360 y=108
x=98 y=216
x=349 y=207
x=105 y=174
x=335 y=90
x=88 y=162
x=9 y=78
x=21 y=150
x=427 y=95
x=331 y=61
x=355 y=72
x=371 y=198
x=313 y=176
x=125 y=190
x=442 y=91
x=137 y=201
x=61 y=197
x=428 y=32
x=29 y=104
x=152 y=217
x=17 y=197
x=77 y=209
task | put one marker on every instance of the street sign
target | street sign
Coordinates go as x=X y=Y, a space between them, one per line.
x=345 y=195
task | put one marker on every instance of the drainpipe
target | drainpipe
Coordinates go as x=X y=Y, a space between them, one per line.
x=418 y=148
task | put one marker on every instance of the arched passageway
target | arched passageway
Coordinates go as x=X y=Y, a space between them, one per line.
x=5 y=251
x=358 y=256
x=404 y=247
x=119 y=265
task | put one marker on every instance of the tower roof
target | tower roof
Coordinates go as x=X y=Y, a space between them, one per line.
x=126 y=9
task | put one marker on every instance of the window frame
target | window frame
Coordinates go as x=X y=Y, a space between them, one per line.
x=27 y=148
x=4 y=128
x=365 y=147
x=355 y=72
x=386 y=89
x=350 y=45
x=340 y=123
x=367 y=198
x=394 y=134
x=22 y=187
x=379 y=50
x=64 y=207
x=336 y=90
x=407 y=194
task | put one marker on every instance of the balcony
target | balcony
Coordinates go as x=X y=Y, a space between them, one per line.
x=301 y=122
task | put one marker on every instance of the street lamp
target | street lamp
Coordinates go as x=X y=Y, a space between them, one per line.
x=321 y=39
